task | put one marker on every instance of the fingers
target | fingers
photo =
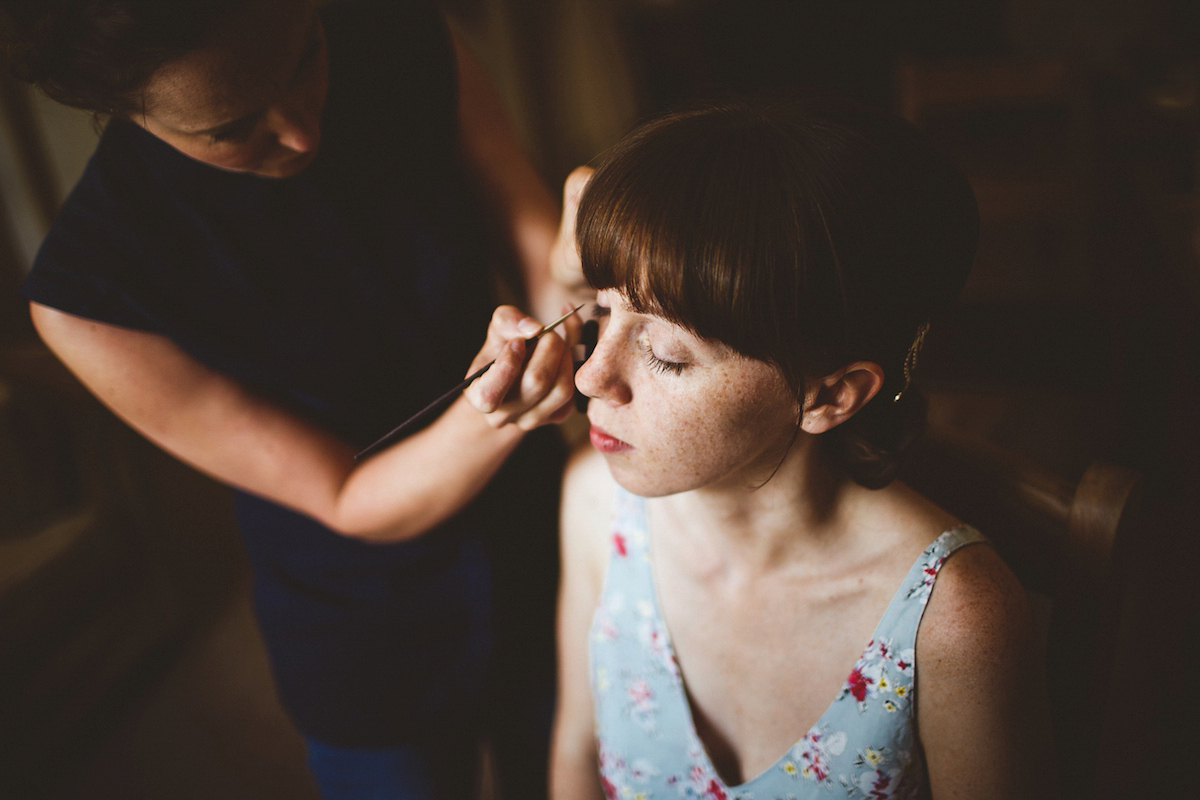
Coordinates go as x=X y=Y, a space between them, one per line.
x=551 y=379
x=508 y=323
x=523 y=388
x=489 y=390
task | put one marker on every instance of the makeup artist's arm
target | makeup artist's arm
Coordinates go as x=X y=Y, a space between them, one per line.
x=517 y=196
x=586 y=510
x=212 y=423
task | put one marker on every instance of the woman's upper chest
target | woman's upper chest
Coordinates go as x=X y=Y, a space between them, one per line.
x=764 y=655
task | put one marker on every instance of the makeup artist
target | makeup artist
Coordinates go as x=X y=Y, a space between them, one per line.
x=275 y=255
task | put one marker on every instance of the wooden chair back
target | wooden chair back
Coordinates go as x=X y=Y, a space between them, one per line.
x=1065 y=542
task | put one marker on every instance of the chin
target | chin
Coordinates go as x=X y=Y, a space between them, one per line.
x=642 y=486
x=650 y=483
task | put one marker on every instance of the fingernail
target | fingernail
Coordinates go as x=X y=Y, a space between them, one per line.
x=529 y=327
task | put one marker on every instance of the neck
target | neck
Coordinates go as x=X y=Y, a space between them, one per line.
x=802 y=514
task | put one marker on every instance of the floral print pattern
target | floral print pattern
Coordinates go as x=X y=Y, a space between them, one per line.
x=862 y=747
x=882 y=673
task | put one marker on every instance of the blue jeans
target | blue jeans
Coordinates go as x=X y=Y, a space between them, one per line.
x=426 y=772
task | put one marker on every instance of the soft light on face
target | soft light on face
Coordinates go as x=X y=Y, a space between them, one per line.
x=251 y=100
x=673 y=412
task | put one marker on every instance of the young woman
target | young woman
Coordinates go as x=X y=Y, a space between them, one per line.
x=276 y=254
x=751 y=606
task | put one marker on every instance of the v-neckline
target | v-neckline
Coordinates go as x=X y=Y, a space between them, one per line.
x=669 y=643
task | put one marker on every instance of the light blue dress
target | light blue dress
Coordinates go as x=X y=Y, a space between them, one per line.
x=864 y=745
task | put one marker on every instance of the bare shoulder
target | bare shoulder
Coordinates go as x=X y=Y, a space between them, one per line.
x=982 y=708
x=982 y=704
x=586 y=515
x=978 y=610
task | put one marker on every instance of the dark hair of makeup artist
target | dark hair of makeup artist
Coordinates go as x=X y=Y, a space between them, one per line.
x=808 y=234
x=98 y=54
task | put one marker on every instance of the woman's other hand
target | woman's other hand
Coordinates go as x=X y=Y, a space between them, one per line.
x=525 y=393
x=565 y=264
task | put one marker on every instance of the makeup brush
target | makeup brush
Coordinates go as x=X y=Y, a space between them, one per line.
x=437 y=404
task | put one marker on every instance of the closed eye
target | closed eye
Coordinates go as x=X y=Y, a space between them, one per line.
x=657 y=364
x=239 y=130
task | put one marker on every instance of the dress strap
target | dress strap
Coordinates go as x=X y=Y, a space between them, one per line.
x=898 y=627
x=919 y=583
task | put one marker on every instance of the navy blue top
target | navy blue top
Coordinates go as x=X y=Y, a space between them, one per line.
x=351 y=293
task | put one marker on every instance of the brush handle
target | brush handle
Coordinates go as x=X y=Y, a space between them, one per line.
x=438 y=404
x=434 y=407
x=422 y=415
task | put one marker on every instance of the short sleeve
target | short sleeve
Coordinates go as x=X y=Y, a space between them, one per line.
x=83 y=296
x=88 y=254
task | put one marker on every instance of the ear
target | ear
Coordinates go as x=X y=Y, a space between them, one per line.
x=838 y=396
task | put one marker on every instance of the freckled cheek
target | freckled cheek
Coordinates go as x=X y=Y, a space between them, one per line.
x=692 y=432
x=723 y=424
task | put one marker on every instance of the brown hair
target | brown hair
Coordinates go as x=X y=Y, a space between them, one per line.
x=97 y=55
x=808 y=234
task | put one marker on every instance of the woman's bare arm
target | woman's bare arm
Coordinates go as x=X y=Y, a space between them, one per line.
x=982 y=714
x=212 y=423
x=586 y=512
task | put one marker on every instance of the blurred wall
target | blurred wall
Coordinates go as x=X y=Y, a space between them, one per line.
x=67 y=138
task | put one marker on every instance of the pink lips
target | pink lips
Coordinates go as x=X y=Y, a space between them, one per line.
x=608 y=444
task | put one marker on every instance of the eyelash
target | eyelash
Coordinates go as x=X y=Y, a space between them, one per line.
x=657 y=364
x=238 y=133
x=660 y=366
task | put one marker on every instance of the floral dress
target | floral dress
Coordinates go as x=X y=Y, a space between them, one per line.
x=863 y=746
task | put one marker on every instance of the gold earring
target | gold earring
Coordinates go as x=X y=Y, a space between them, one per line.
x=910 y=360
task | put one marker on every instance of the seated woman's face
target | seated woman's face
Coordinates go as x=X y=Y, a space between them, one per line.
x=250 y=101
x=672 y=412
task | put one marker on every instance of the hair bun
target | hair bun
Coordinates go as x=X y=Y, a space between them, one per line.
x=872 y=444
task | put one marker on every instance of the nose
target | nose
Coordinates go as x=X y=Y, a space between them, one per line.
x=601 y=377
x=295 y=127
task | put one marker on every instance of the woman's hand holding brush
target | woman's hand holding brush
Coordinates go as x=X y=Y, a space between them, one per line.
x=532 y=381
